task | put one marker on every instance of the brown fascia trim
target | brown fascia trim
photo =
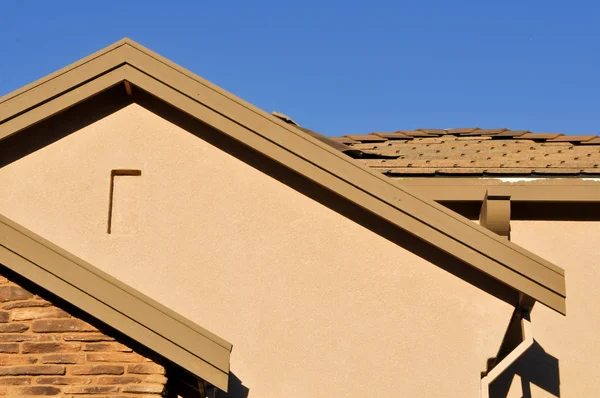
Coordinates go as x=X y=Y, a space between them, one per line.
x=126 y=310
x=461 y=189
x=307 y=156
x=539 y=199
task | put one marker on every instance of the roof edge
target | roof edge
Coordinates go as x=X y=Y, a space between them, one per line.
x=308 y=156
x=114 y=303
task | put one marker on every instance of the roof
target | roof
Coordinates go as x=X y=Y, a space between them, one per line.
x=119 y=306
x=305 y=155
x=477 y=152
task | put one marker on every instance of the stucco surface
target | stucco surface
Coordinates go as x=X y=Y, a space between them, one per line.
x=569 y=347
x=313 y=303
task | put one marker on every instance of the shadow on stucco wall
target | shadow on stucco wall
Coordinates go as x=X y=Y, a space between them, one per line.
x=236 y=388
x=536 y=367
x=62 y=125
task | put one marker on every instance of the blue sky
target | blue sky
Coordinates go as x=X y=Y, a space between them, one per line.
x=345 y=67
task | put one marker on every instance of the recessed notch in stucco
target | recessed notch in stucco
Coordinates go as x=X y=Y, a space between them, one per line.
x=123 y=201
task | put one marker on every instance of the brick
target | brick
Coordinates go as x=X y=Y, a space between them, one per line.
x=63 y=381
x=9 y=348
x=97 y=370
x=63 y=359
x=11 y=293
x=26 y=314
x=32 y=370
x=39 y=348
x=16 y=337
x=144 y=388
x=119 y=380
x=38 y=390
x=13 y=327
x=91 y=389
x=146 y=368
x=106 y=347
x=61 y=325
x=115 y=357
x=87 y=337
x=27 y=337
x=15 y=381
x=26 y=304
x=9 y=360
x=4 y=316
x=156 y=378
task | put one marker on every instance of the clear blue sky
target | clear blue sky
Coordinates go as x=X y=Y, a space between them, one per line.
x=344 y=67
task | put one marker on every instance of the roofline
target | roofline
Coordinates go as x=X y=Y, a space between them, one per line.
x=461 y=189
x=267 y=134
x=119 y=306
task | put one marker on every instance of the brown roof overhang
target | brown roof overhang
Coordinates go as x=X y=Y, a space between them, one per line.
x=307 y=156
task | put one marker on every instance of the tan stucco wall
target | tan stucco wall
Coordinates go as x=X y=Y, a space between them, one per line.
x=572 y=343
x=313 y=303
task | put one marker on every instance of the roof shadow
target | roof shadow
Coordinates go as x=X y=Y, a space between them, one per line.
x=63 y=124
x=236 y=388
x=536 y=367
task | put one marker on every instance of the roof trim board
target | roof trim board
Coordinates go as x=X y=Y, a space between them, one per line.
x=114 y=303
x=554 y=190
x=306 y=155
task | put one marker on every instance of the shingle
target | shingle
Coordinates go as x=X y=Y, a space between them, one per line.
x=540 y=136
x=410 y=171
x=509 y=170
x=511 y=133
x=394 y=136
x=464 y=130
x=344 y=140
x=557 y=170
x=414 y=133
x=573 y=138
x=466 y=151
x=365 y=138
x=461 y=171
x=434 y=131
x=595 y=141
x=591 y=171
x=470 y=138
x=484 y=132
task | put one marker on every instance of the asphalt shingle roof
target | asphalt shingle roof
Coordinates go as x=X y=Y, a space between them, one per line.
x=474 y=151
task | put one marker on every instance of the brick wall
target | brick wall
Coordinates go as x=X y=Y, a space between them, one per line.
x=45 y=351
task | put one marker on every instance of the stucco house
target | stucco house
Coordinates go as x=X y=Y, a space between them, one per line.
x=161 y=237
